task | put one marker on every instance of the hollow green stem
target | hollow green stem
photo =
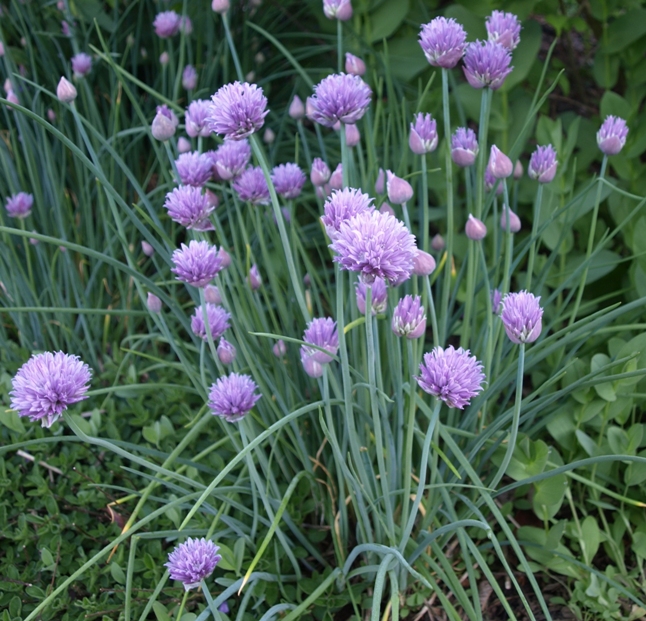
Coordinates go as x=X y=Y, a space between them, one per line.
x=532 y=248
x=339 y=45
x=376 y=416
x=515 y=421
x=423 y=467
x=280 y=221
x=410 y=430
x=181 y=606
x=232 y=47
x=450 y=219
x=588 y=252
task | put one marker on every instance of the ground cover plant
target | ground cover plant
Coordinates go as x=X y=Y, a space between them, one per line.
x=293 y=329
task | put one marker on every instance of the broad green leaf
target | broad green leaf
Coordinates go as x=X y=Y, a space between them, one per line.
x=639 y=544
x=473 y=24
x=406 y=58
x=10 y=419
x=548 y=496
x=386 y=19
x=625 y=30
x=612 y=103
x=591 y=538
x=161 y=612
x=525 y=55
x=117 y=573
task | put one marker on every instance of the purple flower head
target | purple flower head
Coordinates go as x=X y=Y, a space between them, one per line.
x=193 y=168
x=499 y=164
x=164 y=124
x=296 y=108
x=424 y=264
x=19 y=205
x=423 y=134
x=486 y=64
x=542 y=164
x=504 y=28
x=340 y=97
x=320 y=173
x=232 y=158
x=475 y=229
x=354 y=65
x=379 y=296
x=81 y=64
x=399 y=190
x=322 y=333
x=341 y=206
x=218 y=320
x=490 y=182
x=443 y=41
x=167 y=24
x=192 y=561
x=189 y=77
x=196 y=264
x=336 y=178
x=189 y=207
x=254 y=278
x=279 y=349
x=375 y=244
x=611 y=136
x=196 y=115
x=65 y=92
x=337 y=9
x=233 y=396
x=496 y=299
x=409 y=319
x=522 y=317
x=514 y=220
x=47 y=384
x=226 y=351
x=238 y=110
x=251 y=186
x=452 y=375
x=288 y=179
x=464 y=147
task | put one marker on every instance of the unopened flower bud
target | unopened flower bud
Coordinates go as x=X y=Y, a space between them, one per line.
x=423 y=264
x=423 y=134
x=499 y=164
x=475 y=229
x=297 y=108
x=380 y=184
x=279 y=349
x=65 y=91
x=378 y=296
x=269 y=136
x=255 y=281
x=352 y=135
x=220 y=6
x=336 y=180
x=183 y=145
x=225 y=257
x=163 y=126
x=154 y=303
x=320 y=173
x=147 y=249
x=354 y=65
x=542 y=164
x=437 y=243
x=514 y=220
x=226 y=351
x=386 y=208
x=611 y=136
x=464 y=147
x=518 y=170
x=51 y=115
x=399 y=190
x=164 y=59
x=212 y=295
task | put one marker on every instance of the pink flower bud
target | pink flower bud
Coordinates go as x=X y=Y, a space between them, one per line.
x=423 y=264
x=380 y=184
x=514 y=220
x=212 y=295
x=386 y=208
x=437 y=243
x=499 y=164
x=147 y=249
x=336 y=180
x=352 y=135
x=475 y=229
x=226 y=351
x=354 y=65
x=399 y=190
x=65 y=91
x=154 y=303
x=183 y=145
x=297 y=108
x=279 y=349
x=220 y=6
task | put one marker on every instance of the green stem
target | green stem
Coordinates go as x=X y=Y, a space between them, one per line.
x=376 y=417
x=468 y=305
x=291 y=267
x=232 y=47
x=339 y=45
x=423 y=234
x=209 y=599
x=593 y=228
x=515 y=421
x=532 y=248
x=450 y=216
x=423 y=467
x=431 y=310
x=181 y=606
x=410 y=430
